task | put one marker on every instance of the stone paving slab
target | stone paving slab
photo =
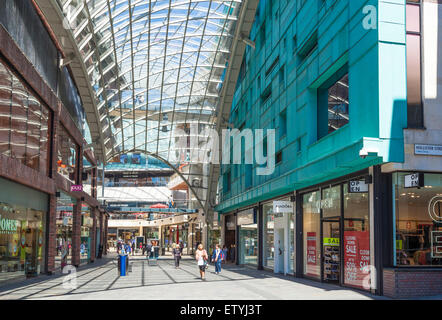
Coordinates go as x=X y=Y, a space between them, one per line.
x=101 y=281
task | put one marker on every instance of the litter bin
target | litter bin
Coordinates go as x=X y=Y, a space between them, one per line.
x=122 y=264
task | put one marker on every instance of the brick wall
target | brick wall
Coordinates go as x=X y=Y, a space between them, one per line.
x=406 y=283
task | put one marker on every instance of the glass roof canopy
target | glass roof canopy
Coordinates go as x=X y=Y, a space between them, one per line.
x=156 y=67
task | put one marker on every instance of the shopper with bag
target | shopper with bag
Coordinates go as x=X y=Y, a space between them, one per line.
x=201 y=257
x=217 y=257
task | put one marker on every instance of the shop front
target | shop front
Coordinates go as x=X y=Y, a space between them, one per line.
x=230 y=236
x=247 y=237
x=87 y=223
x=279 y=236
x=336 y=233
x=22 y=231
x=65 y=204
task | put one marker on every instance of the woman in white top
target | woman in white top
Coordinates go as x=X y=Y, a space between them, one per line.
x=201 y=257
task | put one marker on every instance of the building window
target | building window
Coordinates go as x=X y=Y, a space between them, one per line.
x=66 y=155
x=279 y=157
x=24 y=123
x=333 y=104
x=283 y=123
x=418 y=225
x=414 y=72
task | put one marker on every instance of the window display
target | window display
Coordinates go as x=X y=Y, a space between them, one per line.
x=418 y=213
x=87 y=223
x=64 y=220
x=22 y=233
x=67 y=155
x=269 y=236
x=248 y=238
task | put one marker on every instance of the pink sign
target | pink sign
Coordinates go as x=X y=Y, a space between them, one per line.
x=76 y=187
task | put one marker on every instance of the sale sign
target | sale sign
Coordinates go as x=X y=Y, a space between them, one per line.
x=356 y=257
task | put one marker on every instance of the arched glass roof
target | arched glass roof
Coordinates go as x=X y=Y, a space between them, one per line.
x=156 y=67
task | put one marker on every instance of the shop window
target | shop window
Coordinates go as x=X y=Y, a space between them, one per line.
x=283 y=123
x=248 y=238
x=269 y=243
x=418 y=213
x=311 y=234
x=64 y=223
x=66 y=155
x=356 y=238
x=87 y=223
x=333 y=104
x=331 y=202
x=22 y=233
x=24 y=123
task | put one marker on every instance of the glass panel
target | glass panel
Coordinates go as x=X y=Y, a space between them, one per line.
x=331 y=202
x=311 y=234
x=248 y=242
x=413 y=18
x=332 y=254
x=67 y=155
x=269 y=243
x=356 y=237
x=65 y=205
x=419 y=222
x=86 y=229
x=338 y=104
x=18 y=121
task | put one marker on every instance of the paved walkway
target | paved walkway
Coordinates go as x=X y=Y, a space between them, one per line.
x=100 y=280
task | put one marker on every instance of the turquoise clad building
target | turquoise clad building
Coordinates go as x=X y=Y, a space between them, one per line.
x=340 y=81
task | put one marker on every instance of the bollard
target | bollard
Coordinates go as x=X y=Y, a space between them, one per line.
x=123 y=265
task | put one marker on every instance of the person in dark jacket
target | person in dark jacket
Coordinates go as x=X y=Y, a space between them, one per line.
x=133 y=248
x=149 y=250
x=176 y=252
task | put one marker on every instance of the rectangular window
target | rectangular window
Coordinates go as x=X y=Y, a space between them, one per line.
x=418 y=213
x=333 y=103
x=24 y=123
x=66 y=155
x=414 y=72
x=283 y=123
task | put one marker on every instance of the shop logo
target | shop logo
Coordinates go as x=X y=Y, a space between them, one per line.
x=434 y=209
x=8 y=226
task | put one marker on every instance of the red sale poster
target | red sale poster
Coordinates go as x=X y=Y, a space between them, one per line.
x=356 y=257
x=311 y=254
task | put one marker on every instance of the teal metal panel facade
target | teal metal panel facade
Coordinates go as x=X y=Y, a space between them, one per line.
x=300 y=46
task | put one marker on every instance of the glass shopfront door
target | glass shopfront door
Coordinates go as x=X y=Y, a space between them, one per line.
x=331 y=258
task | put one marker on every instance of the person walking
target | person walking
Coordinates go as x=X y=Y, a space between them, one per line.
x=224 y=258
x=133 y=248
x=201 y=257
x=149 y=250
x=217 y=258
x=176 y=252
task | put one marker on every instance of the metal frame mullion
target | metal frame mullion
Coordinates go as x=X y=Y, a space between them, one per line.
x=148 y=76
x=118 y=73
x=179 y=74
x=132 y=66
x=94 y=39
x=162 y=77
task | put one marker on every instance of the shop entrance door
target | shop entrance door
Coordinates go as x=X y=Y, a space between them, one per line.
x=331 y=258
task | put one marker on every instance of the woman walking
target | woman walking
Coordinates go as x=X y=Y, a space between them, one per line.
x=176 y=252
x=217 y=258
x=201 y=257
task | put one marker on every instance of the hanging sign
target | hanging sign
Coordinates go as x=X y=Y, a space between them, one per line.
x=357 y=186
x=76 y=187
x=282 y=207
x=414 y=180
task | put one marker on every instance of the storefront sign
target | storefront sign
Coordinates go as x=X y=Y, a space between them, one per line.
x=282 y=207
x=8 y=226
x=76 y=187
x=425 y=149
x=414 y=180
x=311 y=248
x=356 y=257
x=331 y=242
x=357 y=187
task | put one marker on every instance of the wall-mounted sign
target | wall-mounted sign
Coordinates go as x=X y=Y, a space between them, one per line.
x=414 y=180
x=282 y=207
x=76 y=187
x=357 y=186
x=426 y=149
x=8 y=226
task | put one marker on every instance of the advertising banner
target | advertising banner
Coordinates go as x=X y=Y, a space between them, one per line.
x=356 y=257
x=311 y=253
